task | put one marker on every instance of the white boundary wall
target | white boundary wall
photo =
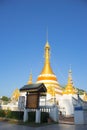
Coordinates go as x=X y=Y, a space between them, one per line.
x=80 y=115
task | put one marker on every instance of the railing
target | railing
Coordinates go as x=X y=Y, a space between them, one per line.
x=15 y=108
x=43 y=108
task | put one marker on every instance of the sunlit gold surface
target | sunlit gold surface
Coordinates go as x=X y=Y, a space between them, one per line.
x=47 y=68
x=69 y=88
x=51 y=90
x=47 y=76
x=15 y=95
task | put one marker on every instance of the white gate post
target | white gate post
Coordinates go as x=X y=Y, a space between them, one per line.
x=38 y=116
x=54 y=114
x=78 y=115
x=25 y=115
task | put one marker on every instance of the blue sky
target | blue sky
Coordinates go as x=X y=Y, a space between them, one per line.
x=23 y=27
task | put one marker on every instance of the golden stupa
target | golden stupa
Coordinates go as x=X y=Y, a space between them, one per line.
x=15 y=95
x=47 y=76
x=69 y=89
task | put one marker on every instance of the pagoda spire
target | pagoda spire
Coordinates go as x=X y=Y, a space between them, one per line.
x=47 y=68
x=47 y=50
x=30 y=79
x=47 y=76
x=70 y=81
x=69 y=87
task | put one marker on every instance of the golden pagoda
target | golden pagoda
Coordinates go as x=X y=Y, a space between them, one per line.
x=47 y=76
x=69 y=88
x=85 y=96
x=15 y=95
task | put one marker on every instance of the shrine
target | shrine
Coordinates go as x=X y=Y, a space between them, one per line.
x=33 y=94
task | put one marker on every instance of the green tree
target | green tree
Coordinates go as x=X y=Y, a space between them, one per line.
x=4 y=98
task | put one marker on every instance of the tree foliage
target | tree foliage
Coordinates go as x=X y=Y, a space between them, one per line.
x=4 y=98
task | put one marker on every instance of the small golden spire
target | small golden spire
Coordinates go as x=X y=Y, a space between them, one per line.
x=70 y=82
x=47 y=52
x=30 y=79
x=69 y=88
x=15 y=95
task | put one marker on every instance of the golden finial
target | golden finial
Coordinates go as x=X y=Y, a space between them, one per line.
x=47 y=46
x=30 y=79
x=70 y=82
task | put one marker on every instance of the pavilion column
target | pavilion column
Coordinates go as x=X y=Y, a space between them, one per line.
x=26 y=100
x=54 y=113
x=38 y=116
x=25 y=118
